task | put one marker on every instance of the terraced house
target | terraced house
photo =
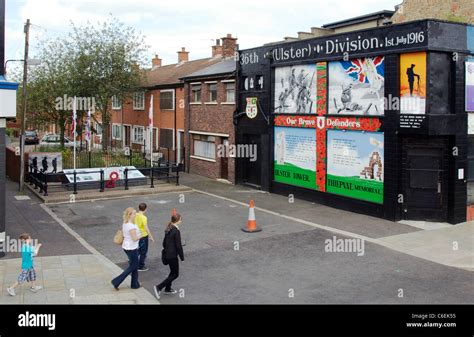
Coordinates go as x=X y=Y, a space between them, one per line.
x=130 y=120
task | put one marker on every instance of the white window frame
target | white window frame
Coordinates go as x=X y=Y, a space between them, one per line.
x=200 y=93
x=133 y=134
x=96 y=127
x=116 y=103
x=202 y=157
x=174 y=145
x=172 y=100
x=120 y=128
x=137 y=106
x=225 y=90
x=209 y=92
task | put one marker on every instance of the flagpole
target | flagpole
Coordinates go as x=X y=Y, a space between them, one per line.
x=151 y=130
x=89 y=134
x=74 y=132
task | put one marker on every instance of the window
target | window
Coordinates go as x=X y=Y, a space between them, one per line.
x=166 y=138
x=98 y=128
x=212 y=92
x=139 y=101
x=230 y=92
x=204 y=146
x=116 y=131
x=196 y=93
x=116 y=104
x=167 y=99
x=138 y=134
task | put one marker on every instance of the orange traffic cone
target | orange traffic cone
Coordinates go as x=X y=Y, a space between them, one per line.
x=251 y=223
x=173 y=212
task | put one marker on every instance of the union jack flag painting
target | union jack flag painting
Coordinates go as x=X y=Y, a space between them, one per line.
x=358 y=69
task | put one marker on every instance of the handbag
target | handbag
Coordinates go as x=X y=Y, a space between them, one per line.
x=118 y=237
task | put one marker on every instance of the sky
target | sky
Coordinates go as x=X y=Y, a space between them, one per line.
x=170 y=25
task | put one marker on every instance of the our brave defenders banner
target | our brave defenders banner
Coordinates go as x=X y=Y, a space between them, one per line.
x=355 y=163
x=295 y=156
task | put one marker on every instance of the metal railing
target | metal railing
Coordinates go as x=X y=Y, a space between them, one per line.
x=43 y=181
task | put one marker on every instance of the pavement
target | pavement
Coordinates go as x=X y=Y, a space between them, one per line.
x=288 y=262
x=70 y=270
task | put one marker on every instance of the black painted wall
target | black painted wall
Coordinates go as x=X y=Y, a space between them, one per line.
x=445 y=122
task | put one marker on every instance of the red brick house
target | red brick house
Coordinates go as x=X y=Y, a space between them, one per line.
x=129 y=121
x=210 y=106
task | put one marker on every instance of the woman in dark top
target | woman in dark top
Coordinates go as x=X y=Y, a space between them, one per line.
x=173 y=249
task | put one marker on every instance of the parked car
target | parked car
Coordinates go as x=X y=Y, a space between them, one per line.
x=55 y=140
x=31 y=137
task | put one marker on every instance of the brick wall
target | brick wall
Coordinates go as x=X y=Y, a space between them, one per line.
x=451 y=10
x=212 y=118
x=161 y=118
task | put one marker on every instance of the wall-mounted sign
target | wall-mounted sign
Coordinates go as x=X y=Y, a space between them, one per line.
x=356 y=87
x=46 y=162
x=251 y=109
x=295 y=156
x=358 y=42
x=470 y=86
x=93 y=174
x=411 y=121
x=355 y=164
x=413 y=83
x=295 y=89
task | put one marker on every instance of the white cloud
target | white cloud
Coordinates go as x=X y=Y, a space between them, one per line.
x=170 y=25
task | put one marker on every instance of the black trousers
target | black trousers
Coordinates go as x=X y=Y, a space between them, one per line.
x=173 y=275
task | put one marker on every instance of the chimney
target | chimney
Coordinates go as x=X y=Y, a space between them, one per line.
x=156 y=62
x=217 y=49
x=229 y=46
x=183 y=55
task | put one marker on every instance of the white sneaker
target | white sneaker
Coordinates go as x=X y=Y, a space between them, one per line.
x=157 y=292
x=36 y=288
x=11 y=291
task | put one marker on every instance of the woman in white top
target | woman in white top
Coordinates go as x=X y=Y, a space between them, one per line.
x=131 y=236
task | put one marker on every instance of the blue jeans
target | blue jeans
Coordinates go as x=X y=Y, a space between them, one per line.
x=132 y=269
x=142 y=251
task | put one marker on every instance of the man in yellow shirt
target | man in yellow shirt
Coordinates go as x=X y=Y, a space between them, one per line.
x=141 y=221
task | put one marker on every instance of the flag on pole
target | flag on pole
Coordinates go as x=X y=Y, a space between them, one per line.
x=88 y=130
x=150 y=126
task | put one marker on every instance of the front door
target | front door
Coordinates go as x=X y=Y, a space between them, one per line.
x=425 y=182
x=225 y=161
x=127 y=134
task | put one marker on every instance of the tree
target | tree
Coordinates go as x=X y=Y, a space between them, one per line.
x=106 y=59
x=92 y=61
x=48 y=81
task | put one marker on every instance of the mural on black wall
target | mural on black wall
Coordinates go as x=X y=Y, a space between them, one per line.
x=356 y=87
x=413 y=83
x=295 y=89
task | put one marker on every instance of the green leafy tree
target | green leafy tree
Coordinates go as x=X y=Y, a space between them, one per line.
x=92 y=61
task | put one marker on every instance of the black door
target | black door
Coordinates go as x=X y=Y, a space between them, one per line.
x=251 y=169
x=425 y=183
